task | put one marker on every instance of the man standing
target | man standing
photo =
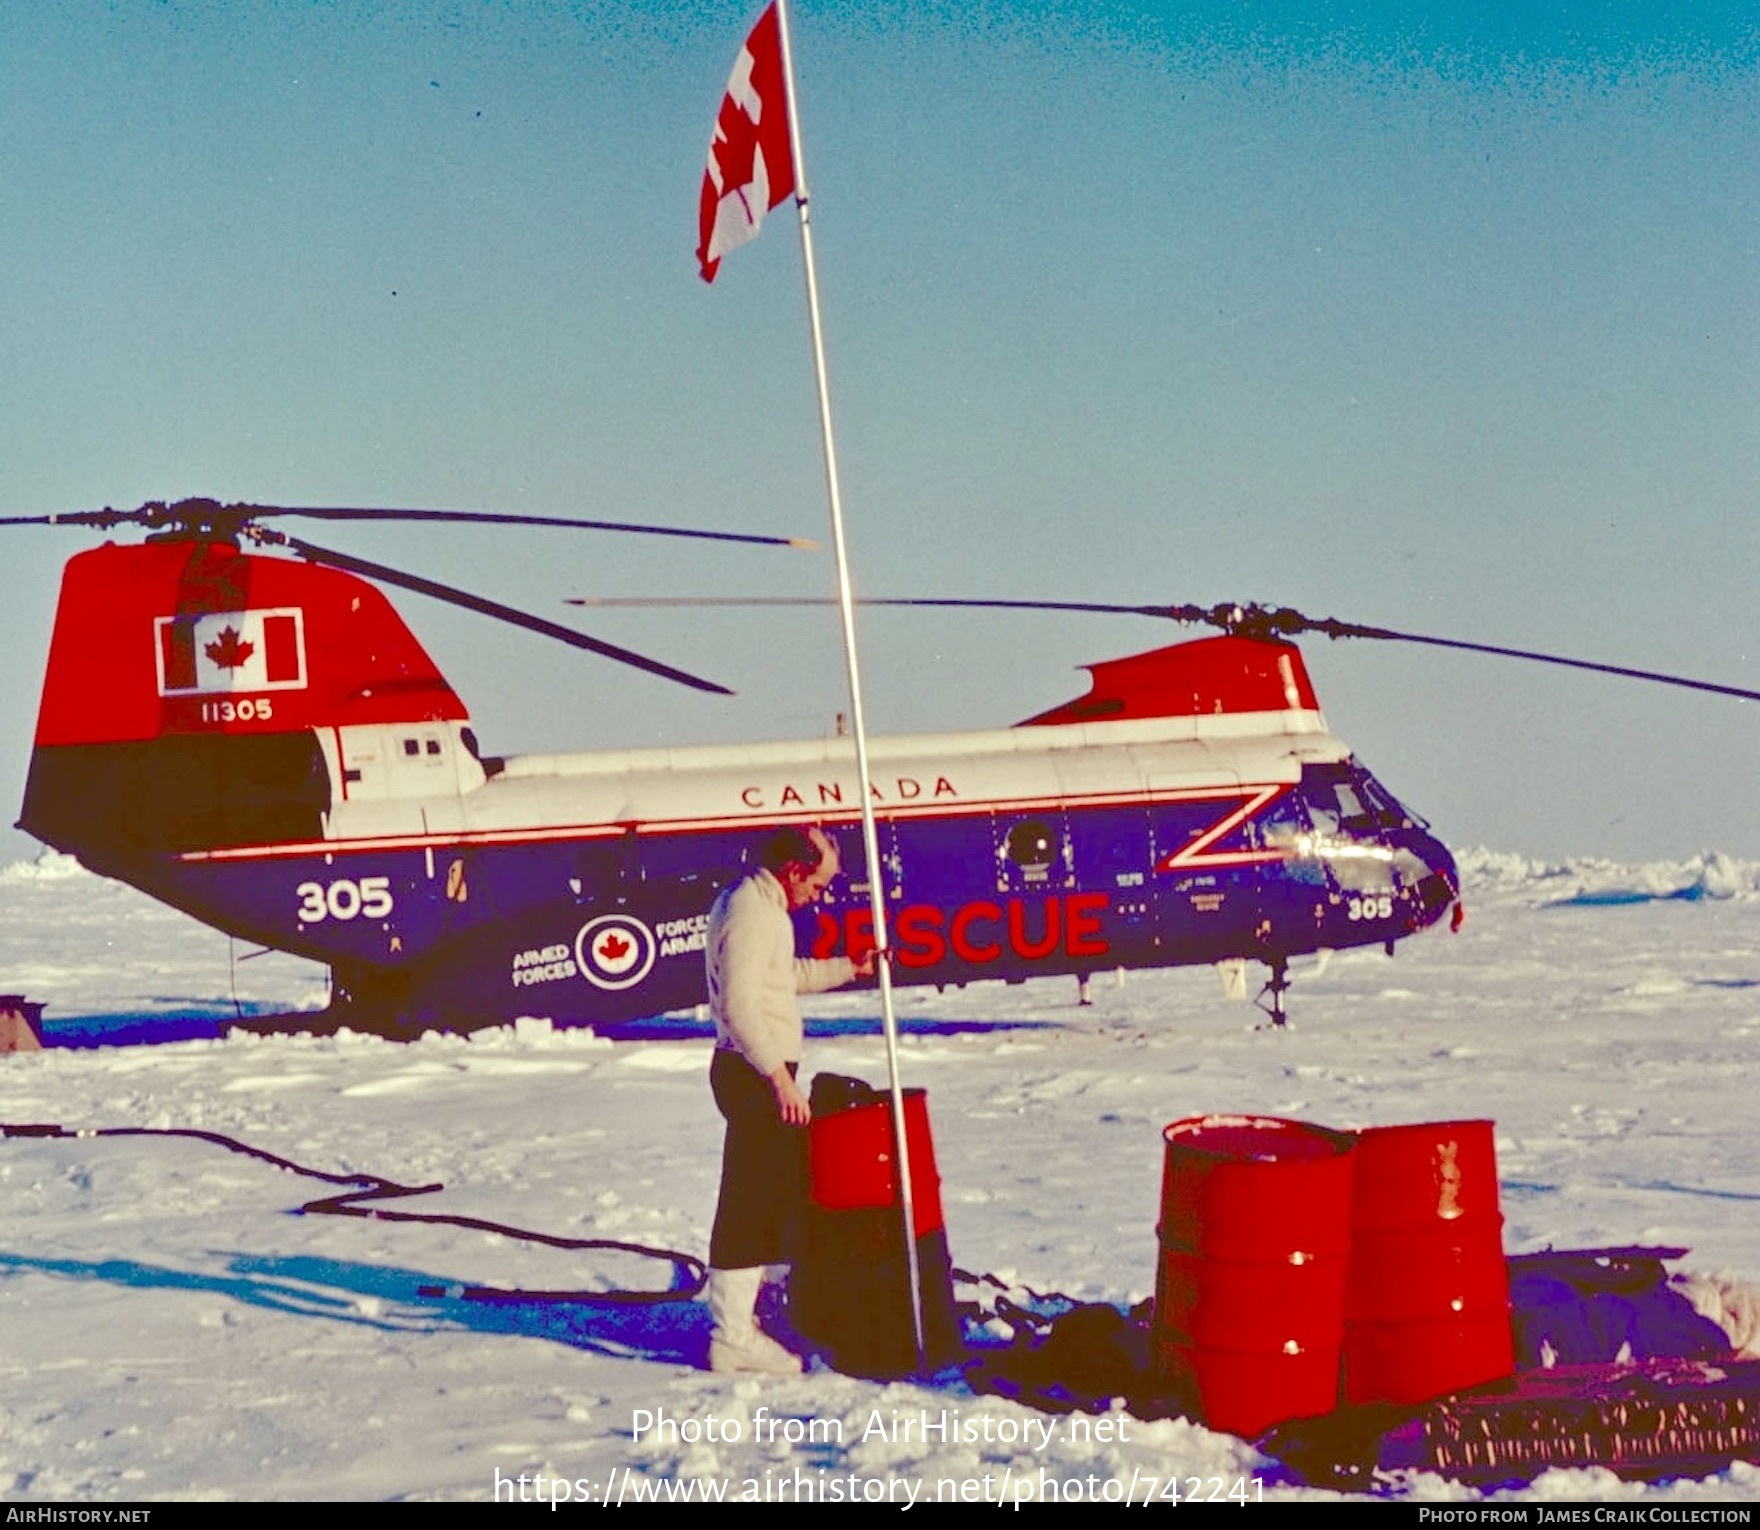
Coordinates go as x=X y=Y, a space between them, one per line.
x=754 y=978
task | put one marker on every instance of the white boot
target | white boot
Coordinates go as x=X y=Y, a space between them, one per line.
x=735 y=1342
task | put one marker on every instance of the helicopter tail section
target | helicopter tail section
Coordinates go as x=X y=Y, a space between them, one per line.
x=1206 y=677
x=197 y=696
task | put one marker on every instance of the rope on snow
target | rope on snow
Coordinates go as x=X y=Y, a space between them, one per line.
x=375 y=1187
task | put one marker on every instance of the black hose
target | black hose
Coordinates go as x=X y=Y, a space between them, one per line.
x=375 y=1187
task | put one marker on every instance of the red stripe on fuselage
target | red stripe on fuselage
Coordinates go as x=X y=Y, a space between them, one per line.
x=1195 y=853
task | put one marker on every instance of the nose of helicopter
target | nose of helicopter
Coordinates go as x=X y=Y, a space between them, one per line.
x=1346 y=802
x=1439 y=885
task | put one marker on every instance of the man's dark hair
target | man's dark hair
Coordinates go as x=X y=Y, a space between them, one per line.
x=790 y=845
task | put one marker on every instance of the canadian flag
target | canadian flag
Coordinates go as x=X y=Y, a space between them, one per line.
x=224 y=652
x=751 y=163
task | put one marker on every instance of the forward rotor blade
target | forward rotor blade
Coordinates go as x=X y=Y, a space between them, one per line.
x=483 y=607
x=661 y=602
x=501 y=518
x=1263 y=621
x=1247 y=620
x=1348 y=629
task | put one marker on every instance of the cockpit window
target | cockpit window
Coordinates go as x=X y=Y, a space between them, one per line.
x=1321 y=796
x=1386 y=807
x=1351 y=811
x=1346 y=799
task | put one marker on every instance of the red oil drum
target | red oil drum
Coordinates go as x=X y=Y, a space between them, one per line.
x=849 y=1160
x=1255 y=1249
x=850 y=1295
x=1427 y=1304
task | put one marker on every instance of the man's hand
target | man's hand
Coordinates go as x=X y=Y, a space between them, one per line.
x=791 y=1104
x=864 y=964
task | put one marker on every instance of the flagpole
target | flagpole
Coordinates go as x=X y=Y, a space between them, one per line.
x=846 y=608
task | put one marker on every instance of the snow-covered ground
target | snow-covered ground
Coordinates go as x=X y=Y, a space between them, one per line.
x=169 y=1330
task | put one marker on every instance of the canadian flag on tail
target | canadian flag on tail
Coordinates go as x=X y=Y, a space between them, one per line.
x=221 y=653
x=751 y=161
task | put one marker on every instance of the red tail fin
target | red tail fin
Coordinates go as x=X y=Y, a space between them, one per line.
x=186 y=688
x=181 y=637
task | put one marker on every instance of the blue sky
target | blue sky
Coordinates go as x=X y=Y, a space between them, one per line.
x=1445 y=319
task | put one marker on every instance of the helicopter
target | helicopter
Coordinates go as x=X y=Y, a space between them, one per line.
x=260 y=740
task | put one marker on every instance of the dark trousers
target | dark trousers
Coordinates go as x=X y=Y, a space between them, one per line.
x=763 y=1171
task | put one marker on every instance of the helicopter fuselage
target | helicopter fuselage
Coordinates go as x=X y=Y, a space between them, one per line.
x=279 y=758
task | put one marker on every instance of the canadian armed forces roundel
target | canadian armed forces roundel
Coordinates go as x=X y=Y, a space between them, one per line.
x=614 y=951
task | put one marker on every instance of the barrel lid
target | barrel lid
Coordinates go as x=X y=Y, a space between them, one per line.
x=1424 y=1129
x=1256 y=1139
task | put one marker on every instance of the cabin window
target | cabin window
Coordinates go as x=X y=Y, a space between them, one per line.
x=1031 y=854
x=1032 y=844
x=411 y=747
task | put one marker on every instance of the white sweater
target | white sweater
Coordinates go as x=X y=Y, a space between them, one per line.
x=754 y=974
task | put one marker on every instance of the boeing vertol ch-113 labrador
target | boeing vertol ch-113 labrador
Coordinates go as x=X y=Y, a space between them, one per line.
x=260 y=741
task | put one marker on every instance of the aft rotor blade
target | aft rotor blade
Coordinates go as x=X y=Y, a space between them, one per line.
x=102 y=518
x=484 y=607
x=230 y=520
x=503 y=518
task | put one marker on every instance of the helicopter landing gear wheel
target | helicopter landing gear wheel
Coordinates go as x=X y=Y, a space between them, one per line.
x=1270 y=998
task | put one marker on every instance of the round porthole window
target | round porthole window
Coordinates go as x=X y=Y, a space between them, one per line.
x=1032 y=845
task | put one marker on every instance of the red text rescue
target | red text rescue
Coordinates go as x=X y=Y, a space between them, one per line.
x=980 y=932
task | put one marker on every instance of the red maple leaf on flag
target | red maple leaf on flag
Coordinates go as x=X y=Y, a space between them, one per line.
x=614 y=948
x=229 y=650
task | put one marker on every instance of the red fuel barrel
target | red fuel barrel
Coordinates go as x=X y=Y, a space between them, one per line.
x=1427 y=1305
x=850 y=1292
x=1255 y=1248
x=849 y=1160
